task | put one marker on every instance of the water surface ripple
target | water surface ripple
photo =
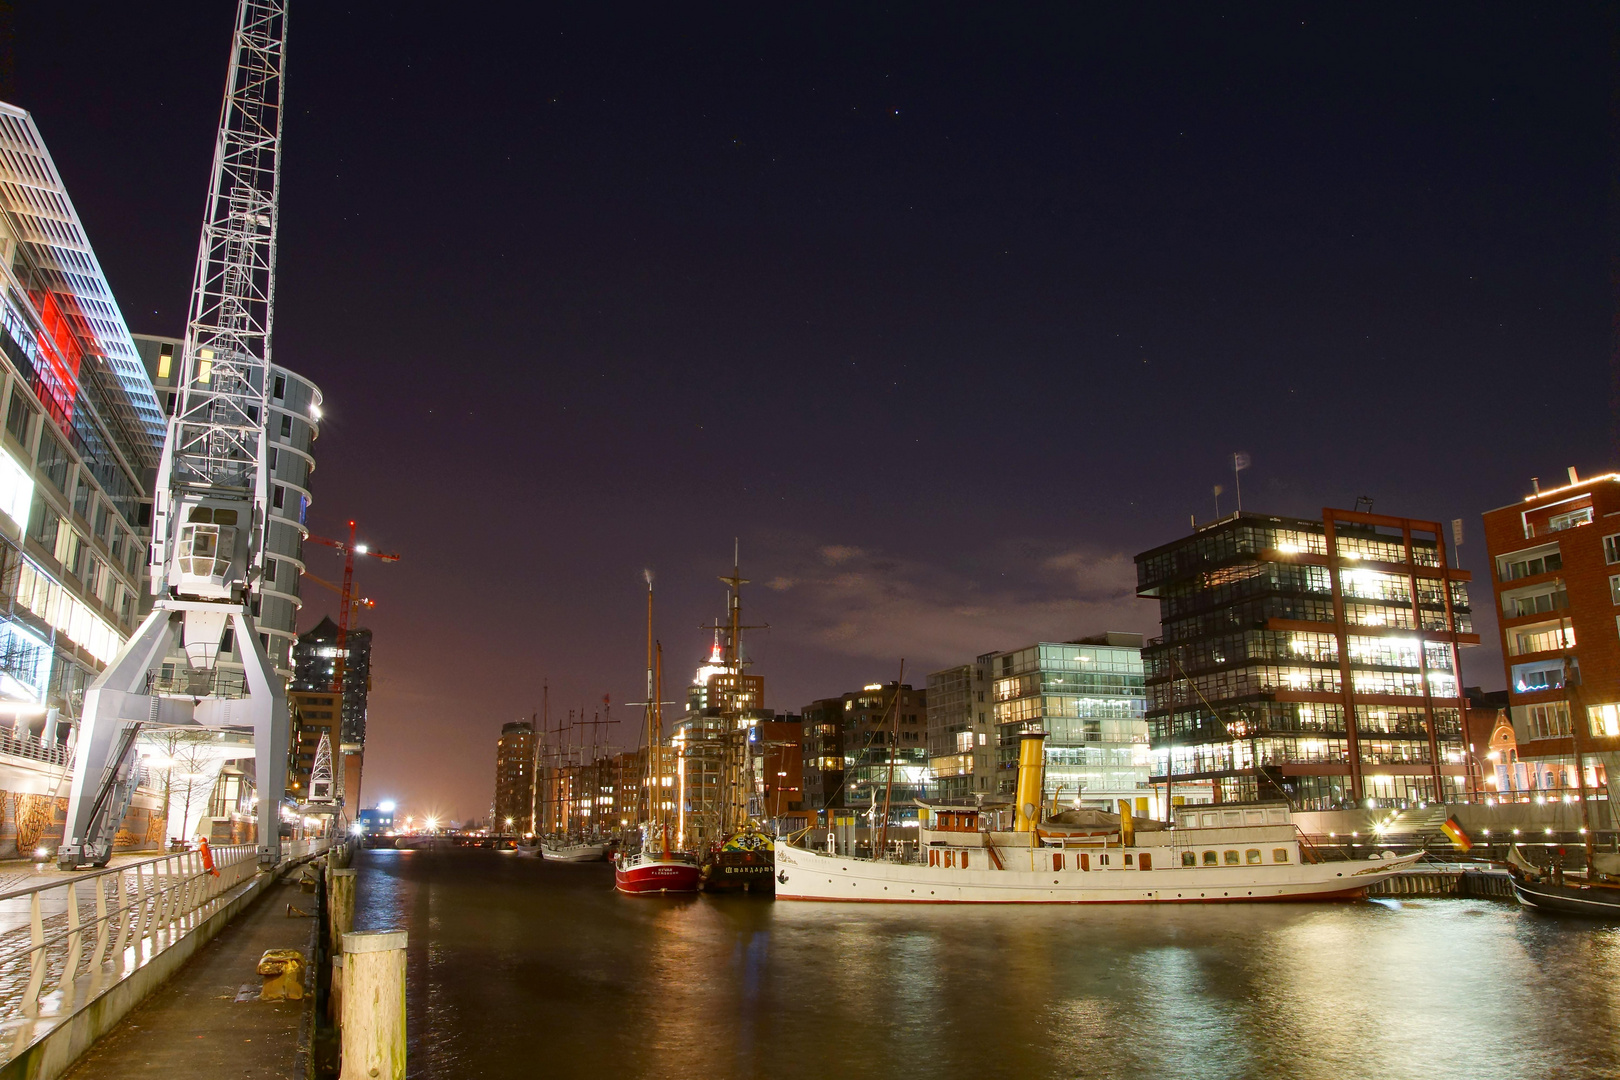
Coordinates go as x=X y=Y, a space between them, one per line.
x=520 y=968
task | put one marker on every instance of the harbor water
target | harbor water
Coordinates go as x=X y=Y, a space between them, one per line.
x=522 y=968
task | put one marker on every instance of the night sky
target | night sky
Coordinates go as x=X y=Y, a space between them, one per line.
x=946 y=313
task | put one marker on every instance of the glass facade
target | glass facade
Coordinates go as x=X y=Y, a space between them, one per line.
x=82 y=435
x=1089 y=698
x=1310 y=660
x=950 y=731
x=315 y=665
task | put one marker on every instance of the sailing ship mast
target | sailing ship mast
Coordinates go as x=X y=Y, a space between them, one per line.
x=655 y=816
x=888 y=786
x=734 y=744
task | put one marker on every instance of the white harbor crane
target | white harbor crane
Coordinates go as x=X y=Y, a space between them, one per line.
x=210 y=499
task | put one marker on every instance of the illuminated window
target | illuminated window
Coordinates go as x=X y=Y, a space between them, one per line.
x=165 y=361
x=1604 y=720
x=205 y=366
x=1560 y=522
x=16 y=490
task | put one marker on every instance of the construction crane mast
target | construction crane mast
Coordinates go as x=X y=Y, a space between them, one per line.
x=210 y=502
x=346 y=604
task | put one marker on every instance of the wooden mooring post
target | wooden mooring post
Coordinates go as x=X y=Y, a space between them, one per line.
x=339 y=907
x=373 y=1029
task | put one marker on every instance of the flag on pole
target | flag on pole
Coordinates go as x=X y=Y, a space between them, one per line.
x=1240 y=461
x=1459 y=839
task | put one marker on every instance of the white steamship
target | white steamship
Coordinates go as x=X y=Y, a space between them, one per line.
x=1214 y=855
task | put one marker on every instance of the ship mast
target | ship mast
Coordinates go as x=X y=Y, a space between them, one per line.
x=894 y=740
x=734 y=809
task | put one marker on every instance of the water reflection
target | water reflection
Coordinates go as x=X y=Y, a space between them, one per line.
x=519 y=967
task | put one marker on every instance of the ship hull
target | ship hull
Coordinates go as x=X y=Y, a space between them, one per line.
x=751 y=871
x=1568 y=899
x=810 y=875
x=655 y=877
x=575 y=852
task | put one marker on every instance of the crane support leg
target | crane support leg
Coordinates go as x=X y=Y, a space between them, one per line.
x=267 y=703
x=121 y=696
x=117 y=697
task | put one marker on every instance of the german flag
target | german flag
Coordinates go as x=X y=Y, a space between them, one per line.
x=1454 y=831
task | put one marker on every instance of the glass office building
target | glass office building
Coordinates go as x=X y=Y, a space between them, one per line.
x=1309 y=660
x=1088 y=696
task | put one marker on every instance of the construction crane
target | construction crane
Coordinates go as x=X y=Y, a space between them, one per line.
x=210 y=500
x=346 y=605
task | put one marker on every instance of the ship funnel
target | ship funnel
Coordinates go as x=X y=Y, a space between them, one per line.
x=1031 y=775
x=1127 y=825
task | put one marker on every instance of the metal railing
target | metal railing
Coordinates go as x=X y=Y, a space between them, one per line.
x=66 y=939
x=34 y=750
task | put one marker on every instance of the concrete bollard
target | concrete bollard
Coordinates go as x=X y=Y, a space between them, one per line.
x=373 y=1031
x=339 y=906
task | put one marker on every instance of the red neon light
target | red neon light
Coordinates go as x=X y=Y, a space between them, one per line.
x=61 y=352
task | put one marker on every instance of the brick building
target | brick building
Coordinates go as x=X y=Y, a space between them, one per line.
x=1555 y=572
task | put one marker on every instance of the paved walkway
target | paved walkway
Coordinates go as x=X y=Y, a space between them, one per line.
x=21 y=873
x=195 y=1026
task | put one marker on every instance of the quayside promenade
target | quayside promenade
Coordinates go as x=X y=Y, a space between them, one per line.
x=80 y=950
x=207 y=1021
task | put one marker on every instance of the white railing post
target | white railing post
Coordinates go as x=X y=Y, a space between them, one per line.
x=70 y=967
x=36 y=966
x=103 y=927
x=161 y=880
x=139 y=928
x=123 y=913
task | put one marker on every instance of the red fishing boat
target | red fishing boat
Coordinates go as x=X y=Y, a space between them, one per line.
x=655 y=870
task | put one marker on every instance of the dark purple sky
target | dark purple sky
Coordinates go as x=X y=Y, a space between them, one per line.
x=946 y=313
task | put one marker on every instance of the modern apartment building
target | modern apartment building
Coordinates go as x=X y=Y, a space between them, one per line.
x=314 y=659
x=1314 y=660
x=866 y=724
x=1555 y=572
x=514 y=777
x=1087 y=695
x=960 y=756
x=823 y=753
